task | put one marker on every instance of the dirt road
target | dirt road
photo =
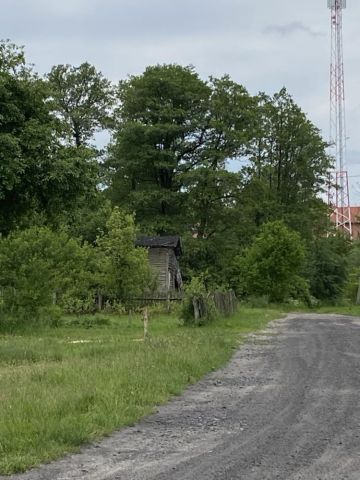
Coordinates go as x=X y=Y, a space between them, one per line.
x=286 y=407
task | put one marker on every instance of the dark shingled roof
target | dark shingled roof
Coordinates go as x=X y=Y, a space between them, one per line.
x=168 y=241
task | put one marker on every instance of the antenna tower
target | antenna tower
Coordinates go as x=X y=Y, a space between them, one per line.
x=340 y=205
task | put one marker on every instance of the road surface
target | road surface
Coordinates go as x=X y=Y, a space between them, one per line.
x=286 y=407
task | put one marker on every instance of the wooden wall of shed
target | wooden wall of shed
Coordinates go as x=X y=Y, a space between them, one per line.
x=165 y=266
x=159 y=261
x=173 y=268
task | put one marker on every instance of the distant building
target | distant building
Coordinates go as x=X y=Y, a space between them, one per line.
x=355 y=222
x=164 y=252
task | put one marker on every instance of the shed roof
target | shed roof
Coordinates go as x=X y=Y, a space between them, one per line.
x=168 y=241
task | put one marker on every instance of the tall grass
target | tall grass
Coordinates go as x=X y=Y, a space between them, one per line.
x=60 y=388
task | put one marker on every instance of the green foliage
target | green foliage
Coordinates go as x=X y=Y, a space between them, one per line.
x=198 y=306
x=12 y=59
x=158 y=137
x=327 y=267
x=288 y=158
x=173 y=137
x=40 y=177
x=344 y=258
x=36 y=266
x=87 y=321
x=125 y=269
x=272 y=265
x=79 y=303
x=82 y=99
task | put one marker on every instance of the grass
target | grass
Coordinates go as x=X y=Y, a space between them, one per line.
x=61 y=388
x=340 y=309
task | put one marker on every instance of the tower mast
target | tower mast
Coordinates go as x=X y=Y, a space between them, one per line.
x=341 y=208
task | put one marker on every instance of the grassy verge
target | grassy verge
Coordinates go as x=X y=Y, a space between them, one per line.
x=340 y=309
x=60 y=388
x=352 y=310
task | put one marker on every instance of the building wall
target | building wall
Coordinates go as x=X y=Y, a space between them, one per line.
x=165 y=266
x=159 y=261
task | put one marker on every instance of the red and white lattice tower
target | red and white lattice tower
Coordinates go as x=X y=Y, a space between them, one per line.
x=339 y=194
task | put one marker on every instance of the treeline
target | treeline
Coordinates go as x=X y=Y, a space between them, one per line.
x=67 y=207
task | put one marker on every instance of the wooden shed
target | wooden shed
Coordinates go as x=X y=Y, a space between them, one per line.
x=164 y=253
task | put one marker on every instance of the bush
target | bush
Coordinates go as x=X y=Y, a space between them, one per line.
x=34 y=264
x=328 y=267
x=125 y=269
x=81 y=304
x=198 y=307
x=257 y=302
x=272 y=265
x=89 y=321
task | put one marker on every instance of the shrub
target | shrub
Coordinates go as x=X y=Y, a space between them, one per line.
x=272 y=265
x=328 y=267
x=34 y=264
x=125 y=269
x=198 y=306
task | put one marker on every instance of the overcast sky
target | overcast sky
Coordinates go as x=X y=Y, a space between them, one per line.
x=263 y=44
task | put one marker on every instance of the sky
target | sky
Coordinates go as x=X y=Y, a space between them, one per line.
x=262 y=44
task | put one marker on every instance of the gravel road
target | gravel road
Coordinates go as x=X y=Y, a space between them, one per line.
x=286 y=407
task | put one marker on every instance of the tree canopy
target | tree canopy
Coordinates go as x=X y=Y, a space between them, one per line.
x=239 y=177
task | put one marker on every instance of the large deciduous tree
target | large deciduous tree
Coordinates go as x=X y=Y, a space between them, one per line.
x=40 y=179
x=160 y=135
x=288 y=157
x=82 y=100
x=174 y=135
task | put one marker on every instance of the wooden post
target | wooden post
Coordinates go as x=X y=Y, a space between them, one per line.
x=196 y=309
x=130 y=313
x=168 y=302
x=99 y=301
x=146 y=322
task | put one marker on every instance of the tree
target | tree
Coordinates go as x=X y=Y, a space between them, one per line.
x=36 y=264
x=39 y=176
x=328 y=265
x=174 y=136
x=160 y=134
x=82 y=100
x=351 y=289
x=125 y=269
x=288 y=156
x=211 y=189
x=25 y=133
x=12 y=59
x=272 y=265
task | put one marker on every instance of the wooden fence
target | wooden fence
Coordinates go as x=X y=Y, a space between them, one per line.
x=224 y=302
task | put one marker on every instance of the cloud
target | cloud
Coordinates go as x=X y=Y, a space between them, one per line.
x=290 y=28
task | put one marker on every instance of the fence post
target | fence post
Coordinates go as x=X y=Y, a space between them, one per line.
x=146 y=322
x=196 y=308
